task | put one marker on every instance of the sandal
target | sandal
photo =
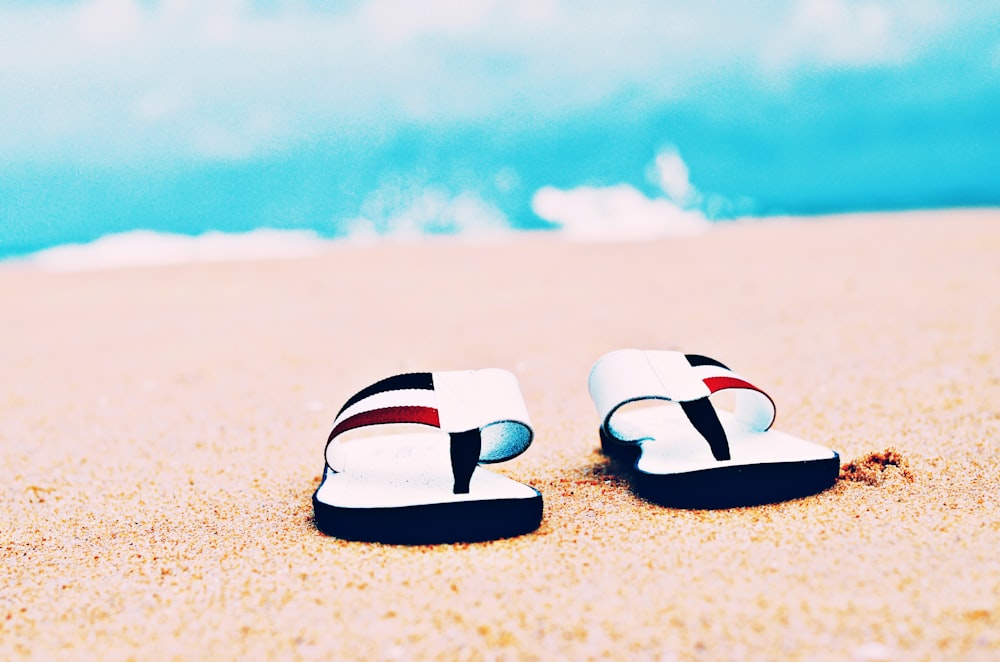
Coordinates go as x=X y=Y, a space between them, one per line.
x=395 y=484
x=657 y=419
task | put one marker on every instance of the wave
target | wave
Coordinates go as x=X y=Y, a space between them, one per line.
x=143 y=248
x=397 y=212
x=615 y=213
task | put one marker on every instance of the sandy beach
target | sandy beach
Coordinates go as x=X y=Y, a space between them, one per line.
x=162 y=432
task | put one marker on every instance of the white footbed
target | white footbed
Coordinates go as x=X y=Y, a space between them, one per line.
x=400 y=470
x=671 y=445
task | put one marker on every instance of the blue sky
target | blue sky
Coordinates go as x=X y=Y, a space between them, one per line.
x=442 y=116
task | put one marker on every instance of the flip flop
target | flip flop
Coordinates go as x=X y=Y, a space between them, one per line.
x=657 y=419
x=422 y=484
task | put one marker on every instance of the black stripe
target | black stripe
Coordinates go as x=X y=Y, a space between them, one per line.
x=702 y=415
x=465 y=449
x=423 y=381
x=697 y=359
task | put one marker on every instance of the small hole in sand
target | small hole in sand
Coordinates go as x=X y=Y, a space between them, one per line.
x=874 y=468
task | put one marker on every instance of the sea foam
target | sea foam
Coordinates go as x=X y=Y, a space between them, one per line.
x=615 y=213
x=147 y=248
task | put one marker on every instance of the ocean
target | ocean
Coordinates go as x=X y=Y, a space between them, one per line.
x=272 y=139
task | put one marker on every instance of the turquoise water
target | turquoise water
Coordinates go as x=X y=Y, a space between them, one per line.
x=444 y=131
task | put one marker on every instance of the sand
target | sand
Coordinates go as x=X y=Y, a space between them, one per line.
x=162 y=431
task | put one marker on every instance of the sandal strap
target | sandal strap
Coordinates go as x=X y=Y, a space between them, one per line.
x=407 y=398
x=754 y=407
x=631 y=375
x=487 y=402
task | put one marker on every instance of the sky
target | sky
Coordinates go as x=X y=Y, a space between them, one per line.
x=372 y=117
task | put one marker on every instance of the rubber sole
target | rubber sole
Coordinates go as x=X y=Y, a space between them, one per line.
x=725 y=486
x=461 y=521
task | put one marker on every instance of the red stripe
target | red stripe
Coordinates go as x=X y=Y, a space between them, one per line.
x=716 y=384
x=423 y=415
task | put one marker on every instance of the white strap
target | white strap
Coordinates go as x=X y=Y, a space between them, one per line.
x=630 y=375
x=490 y=400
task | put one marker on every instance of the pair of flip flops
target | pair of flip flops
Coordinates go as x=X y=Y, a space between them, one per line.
x=385 y=482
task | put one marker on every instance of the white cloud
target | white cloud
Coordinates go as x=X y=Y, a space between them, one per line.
x=158 y=105
x=86 y=80
x=842 y=33
x=395 y=23
x=105 y=23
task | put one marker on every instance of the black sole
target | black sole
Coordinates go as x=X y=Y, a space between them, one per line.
x=727 y=486
x=460 y=521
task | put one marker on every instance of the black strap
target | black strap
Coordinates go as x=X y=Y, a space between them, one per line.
x=407 y=381
x=698 y=359
x=465 y=449
x=705 y=420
